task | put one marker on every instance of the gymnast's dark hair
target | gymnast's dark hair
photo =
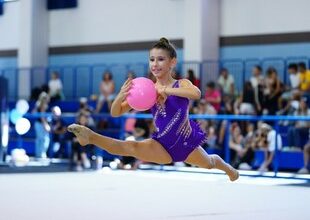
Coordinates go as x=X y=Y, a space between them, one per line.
x=164 y=44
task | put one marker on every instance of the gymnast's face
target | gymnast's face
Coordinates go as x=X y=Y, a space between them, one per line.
x=160 y=63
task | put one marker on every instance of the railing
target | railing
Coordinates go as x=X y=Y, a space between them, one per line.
x=84 y=80
x=228 y=118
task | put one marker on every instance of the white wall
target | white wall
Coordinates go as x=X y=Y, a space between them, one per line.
x=154 y=19
x=248 y=17
x=9 y=26
x=133 y=20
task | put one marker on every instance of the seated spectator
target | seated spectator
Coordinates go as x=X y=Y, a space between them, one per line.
x=191 y=77
x=79 y=159
x=272 y=92
x=87 y=110
x=212 y=138
x=305 y=169
x=299 y=132
x=294 y=84
x=55 y=87
x=266 y=140
x=292 y=104
x=294 y=76
x=257 y=81
x=248 y=105
x=247 y=155
x=141 y=132
x=235 y=143
x=213 y=96
x=58 y=131
x=107 y=89
x=227 y=83
x=304 y=77
x=229 y=107
x=204 y=107
x=42 y=127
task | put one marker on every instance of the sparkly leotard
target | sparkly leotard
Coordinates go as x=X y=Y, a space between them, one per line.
x=174 y=131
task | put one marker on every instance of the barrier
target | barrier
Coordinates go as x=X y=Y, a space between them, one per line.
x=70 y=117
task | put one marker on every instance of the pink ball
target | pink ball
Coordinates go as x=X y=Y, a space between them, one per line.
x=142 y=94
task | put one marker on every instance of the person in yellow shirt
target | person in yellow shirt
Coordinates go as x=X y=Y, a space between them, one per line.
x=304 y=77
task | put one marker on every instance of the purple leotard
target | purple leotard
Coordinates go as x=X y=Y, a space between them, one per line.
x=174 y=131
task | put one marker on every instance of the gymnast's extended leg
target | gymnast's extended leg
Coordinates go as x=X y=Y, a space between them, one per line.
x=146 y=150
x=200 y=158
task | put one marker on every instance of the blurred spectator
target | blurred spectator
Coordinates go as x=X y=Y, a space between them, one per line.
x=55 y=87
x=107 y=88
x=204 y=107
x=266 y=140
x=87 y=110
x=257 y=81
x=304 y=77
x=272 y=92
x=212 y=138
x=42 y=128
x=299 y=132
x=229 y=107
x=248 y=153
x=294 y=76
x=35 y=92
x=227 y=83
x=79 y=157
x=305 y=169
x=58 y=131
x=213 y=96
x=191 y=77
x=140 y=132
x=235 y=143
x=291 y=106
x=248 y=105
x=294 y=84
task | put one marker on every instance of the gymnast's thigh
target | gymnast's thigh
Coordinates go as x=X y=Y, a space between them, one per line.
x=152 y=151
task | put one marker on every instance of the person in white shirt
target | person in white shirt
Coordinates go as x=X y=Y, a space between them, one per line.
x=257 y=81
x=294 y=76
x=267 y=142
x=55 y=87
x=227 y=83
x=107 y=89
x=294 y=84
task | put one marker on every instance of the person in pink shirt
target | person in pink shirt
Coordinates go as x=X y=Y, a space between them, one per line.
x=213 y=96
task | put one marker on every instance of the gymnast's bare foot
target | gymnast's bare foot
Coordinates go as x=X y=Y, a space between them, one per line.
x=81 y=132
x=233 y=174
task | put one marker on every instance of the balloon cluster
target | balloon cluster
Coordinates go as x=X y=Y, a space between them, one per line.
x=22 y=125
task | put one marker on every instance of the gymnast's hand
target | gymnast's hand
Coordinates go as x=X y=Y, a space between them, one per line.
x=125 y=89
x=82 y=133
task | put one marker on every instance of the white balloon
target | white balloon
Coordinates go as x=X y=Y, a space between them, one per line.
x=22 y=126
x=56 y=110
x=22 y=106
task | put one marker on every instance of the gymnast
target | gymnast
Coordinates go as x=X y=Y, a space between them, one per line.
x=176 y=137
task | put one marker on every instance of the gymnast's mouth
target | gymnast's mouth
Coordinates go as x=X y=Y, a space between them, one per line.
x=156 y=71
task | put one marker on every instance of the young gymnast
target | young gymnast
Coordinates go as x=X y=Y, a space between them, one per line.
x=176 y=138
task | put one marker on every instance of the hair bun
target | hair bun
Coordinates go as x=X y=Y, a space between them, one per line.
x=164 y=40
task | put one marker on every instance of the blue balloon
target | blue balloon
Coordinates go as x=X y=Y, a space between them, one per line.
x=15 y=115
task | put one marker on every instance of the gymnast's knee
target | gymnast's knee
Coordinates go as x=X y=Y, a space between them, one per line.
x=212 y=161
